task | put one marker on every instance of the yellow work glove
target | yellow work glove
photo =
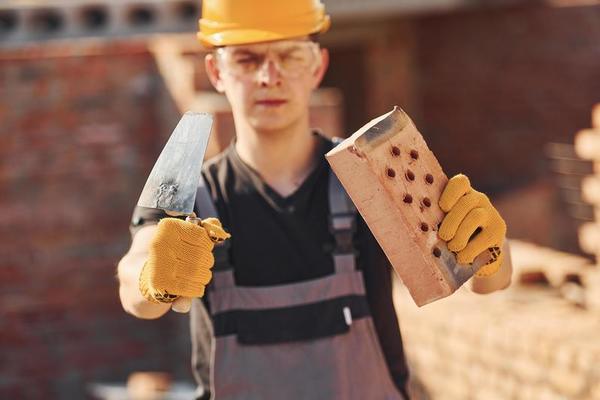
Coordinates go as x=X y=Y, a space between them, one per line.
x=470 y=212
x=180 y=259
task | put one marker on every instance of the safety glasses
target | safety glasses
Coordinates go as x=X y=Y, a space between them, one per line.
x=291 y=58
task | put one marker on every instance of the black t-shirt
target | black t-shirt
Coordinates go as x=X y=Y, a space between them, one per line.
x=277 y=240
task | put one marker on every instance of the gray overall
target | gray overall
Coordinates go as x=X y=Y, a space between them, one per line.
x=307 y=340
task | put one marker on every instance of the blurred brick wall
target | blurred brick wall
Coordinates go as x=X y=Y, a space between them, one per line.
x=80 y=128
x=502 y=84
x=488 y=88
x=506 y=82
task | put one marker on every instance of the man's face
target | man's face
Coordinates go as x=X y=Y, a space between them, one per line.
x=269 y=84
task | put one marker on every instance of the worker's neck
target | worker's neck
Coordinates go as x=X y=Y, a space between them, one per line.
x=283 y=158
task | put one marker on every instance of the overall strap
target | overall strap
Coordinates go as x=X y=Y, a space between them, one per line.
x=342 y=223
x=223 y=269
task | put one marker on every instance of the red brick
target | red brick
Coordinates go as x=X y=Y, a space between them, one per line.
x=395 y=182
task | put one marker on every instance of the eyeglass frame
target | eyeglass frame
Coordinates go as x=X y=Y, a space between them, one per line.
x=312 y=45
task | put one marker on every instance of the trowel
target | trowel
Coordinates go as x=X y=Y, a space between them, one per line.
x=173 y=181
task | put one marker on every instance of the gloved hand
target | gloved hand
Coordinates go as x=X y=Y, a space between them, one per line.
x=470 y=212
x=180 y=259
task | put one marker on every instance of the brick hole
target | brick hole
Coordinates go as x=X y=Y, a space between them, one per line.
x=410 y=175
x=47 y=21
x=407 y=198
x=390 y=172
x=395 y=151
x=429 y=178
x=424 y=227
x=573 y=278
x=8 y=21
x=426 y=202
x=414 y=154
x=186 y=10
x=94 y=17
x=437 y=252
x=141 y=16
x=534 y=278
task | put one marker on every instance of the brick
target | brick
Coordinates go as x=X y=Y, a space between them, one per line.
x=564 y=356
x=566 y=382
x=587 y=144
x=454 y=389
x=527 y=391
x=460 y=350
x=528 y=371
x=589 y=237
x=395 y=182
x=590 y=189
x=493 y=378
x=585 y=360
x=594 y=392
x=596 y=116
x=510 y=387
x=546 y=393
x=426 y=356
x=592 y=293
x=495 y=359
x=487 y=394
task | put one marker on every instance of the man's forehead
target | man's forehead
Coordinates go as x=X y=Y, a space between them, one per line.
x=288 y=44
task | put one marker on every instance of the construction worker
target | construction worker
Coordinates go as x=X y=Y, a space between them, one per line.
x=283 y=317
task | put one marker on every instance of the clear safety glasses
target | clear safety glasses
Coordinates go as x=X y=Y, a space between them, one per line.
x=292 y=58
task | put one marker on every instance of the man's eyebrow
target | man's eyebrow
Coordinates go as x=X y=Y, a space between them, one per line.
x=245 y=52
x=290 y=49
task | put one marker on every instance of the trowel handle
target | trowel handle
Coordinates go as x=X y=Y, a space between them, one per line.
x=193 y=219
x=184 y=304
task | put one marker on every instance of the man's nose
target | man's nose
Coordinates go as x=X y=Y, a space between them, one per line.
x=269 y=74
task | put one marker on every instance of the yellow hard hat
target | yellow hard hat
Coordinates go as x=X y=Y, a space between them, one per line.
x=230 y=22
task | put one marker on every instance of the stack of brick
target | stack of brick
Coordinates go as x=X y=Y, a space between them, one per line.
x=522 y=343
x=587 y=146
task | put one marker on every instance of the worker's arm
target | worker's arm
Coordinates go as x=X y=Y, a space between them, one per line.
x=129 y=270
x=498 y=281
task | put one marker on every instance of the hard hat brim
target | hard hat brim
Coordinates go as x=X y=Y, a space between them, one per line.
x=247 y=36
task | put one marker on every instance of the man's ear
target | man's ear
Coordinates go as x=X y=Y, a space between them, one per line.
x=321 y=68
x=211 y=64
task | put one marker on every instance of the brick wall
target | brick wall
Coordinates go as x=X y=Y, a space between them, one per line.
x=488 y=88
x=507 y=81
x=80 y=128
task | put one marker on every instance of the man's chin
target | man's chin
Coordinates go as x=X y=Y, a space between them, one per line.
x=271 y=123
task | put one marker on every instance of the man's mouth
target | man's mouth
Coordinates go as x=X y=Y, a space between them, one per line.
x=271 y=102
